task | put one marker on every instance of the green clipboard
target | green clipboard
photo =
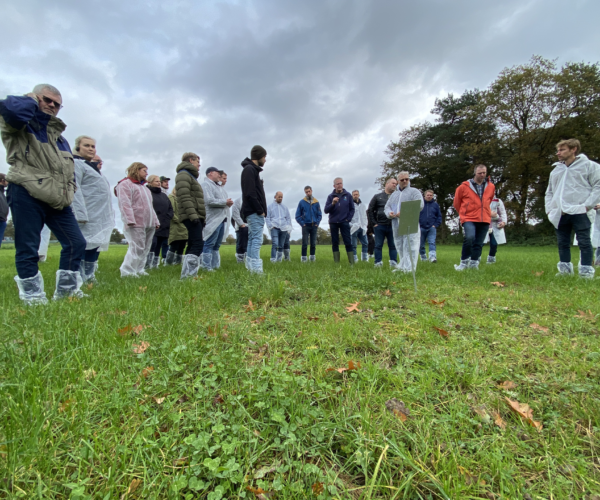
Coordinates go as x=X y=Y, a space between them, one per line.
x=408 y=222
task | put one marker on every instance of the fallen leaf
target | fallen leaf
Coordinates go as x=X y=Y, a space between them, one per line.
x=312 y=318
x=65 y=405
x=88 y=374
x=73 y=299
x=90 y=286
x=524 y=411
x=132 y=487
x=498 y=420
x=317 y=488
x=138 y=329
x=256 y=433
x=218 y=400
x=178 y=462
x=147 y=371
x=250 y=306
x=482 y=413
x=538 y=273
x=21 y=312
x=338 y=317
x=259 y=320
x=535 y=326
x=470 y=478
x=260 y=493
x=211 y=332
x=130 y=329
x=442 y=332
x=387 y=293
x=353 y=307
x=267 y=469
x=499 y=284
x=191 y=300
x=585 y=315
x=351 y=366
x=398 y=408
x=143 y=288
x=183 y=399
x=139 y=349
x=158 y=401
x=436 y=303
x=507 y=385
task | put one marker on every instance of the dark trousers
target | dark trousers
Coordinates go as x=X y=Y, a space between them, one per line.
x=383 y=232
x=309 y=232
x=344 y=228
x=29 y=216
x=493 y=245
x=178 y=246
x=2 y=229
x=157 y=244
x=371 y=239
x=241 y=241
x=195 y=241
x=164 y=248
x=91 y=255
x=580 y=223
x=473 y=239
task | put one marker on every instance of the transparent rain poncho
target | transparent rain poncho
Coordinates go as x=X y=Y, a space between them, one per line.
x=227 y=224
x=44 y=242
x=359 y=220
x=405 y=244
x=573 y=189
x=498 y=207
x=215 y=201
x=236 y=214
x=92 y=206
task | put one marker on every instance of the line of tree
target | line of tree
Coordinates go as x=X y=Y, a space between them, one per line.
x=512 y=127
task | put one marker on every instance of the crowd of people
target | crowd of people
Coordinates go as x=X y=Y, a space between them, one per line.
x=51 y=188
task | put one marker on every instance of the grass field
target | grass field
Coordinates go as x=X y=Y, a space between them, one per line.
x=233 y=396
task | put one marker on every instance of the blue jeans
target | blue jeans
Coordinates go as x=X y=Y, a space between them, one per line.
x=474 y=237
x=256 y=224
x=493 y=245
x=164 y=248
x=381 y=233
x=580 y=223
x=309 y=231
x=361 y=236
x=340 y=227
x=213 y=243
x=91 y=255
x=280 y=241
x=2 y=229
x=29 y=216
x=429 y=236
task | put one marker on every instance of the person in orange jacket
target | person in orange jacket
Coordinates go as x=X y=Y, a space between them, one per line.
x=472 y=201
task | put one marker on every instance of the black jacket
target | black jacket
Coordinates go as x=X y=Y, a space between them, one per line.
x=164 y=211
x=376 y=212
x=253 y=191
x=3 y=206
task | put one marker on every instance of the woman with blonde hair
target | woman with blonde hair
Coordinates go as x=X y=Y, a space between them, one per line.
x=164 y=212
x=178 y=235
x=139 y=219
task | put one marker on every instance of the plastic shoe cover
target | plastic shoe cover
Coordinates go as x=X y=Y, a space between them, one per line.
x=286 y=255
x=254 y=265
x=424 y=258
x=31 y=290
x=586 y=272
x=463 y=264
x=597 y=262
x=474 y=264
x=239 y=257
x=279 y=256
x=303 y=259
x=206 y=261
x=216 y=260
x=68 y=284
x=378 y=264
x=364 y=257
x=313 y=258
x=155 y=262
x=565 y=269
x=89 y=271
x=190 y=266
x=393 y=263
x=432 y=256
x=491 y=260
x=273 y=259
x=178 y=258
x=355 y=258
x=149 y=260
x=171 y=258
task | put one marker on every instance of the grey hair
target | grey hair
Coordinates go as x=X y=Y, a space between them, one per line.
x=338 y=179
x=81 y=138
x=404 y=172
x=40 y=87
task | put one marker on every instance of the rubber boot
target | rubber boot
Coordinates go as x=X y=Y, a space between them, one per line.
x=190 y=265
x=464 y=264
x=352 y=258
x=31 y=290
x=336 y=257
x=68 y=284
x=171 y=258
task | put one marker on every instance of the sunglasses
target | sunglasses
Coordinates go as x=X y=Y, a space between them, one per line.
x=47 y=100
x=403 y=180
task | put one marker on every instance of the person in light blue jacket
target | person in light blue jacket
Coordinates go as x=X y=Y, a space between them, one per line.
x=308 y=216
x=279 y=223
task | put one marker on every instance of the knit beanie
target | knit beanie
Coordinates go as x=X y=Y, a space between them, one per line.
x=257 y=152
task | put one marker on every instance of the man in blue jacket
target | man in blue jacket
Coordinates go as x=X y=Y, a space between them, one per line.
x=429 y=220
x=340 y=207
x=309 y=215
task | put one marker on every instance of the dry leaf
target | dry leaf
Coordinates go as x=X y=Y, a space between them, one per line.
x=178 y=462
x=218 y=400
x=535 y=326
x=130 y=329
x=212 y=332
x=387 y=293
x=158 y=401
x=442 y=332
x=256 y=433
x=436 y=303
x=88 y=374
x=397 y=408
x=132 y=487
x=147 y=371
x=312 y=318
x=351 y=366
x=498 y=420
x=21 y=312
x=139 y=349
x=585 y=315
x=338 y=317
x=143 y=288
x=191 y=300
x=183 y=399
x=538 y=273
x=259 y=320
x=353 y=307
x=260 y=493
x=250 y=306
x=482 y=413
x=470 y=478
x=524 y=412
x=90 y=286
x=499 y=284
x=65 y=405
x=507 y=385
x=317 y=488
x=73 y=299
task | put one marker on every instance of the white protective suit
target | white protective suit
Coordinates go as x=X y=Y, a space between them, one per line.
x=278 y=216
x=44 y=242
x=405 y=244
x=360 y=219
x=93 y=210
x=228 y=223
x=135 y=204
x=498 y=207
x=215 y=201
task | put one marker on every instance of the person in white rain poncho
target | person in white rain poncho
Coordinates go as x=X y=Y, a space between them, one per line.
x=139 y=219
x=496 y=234
x=358 y=227
x=217 y=210
x=241 y=231
x=573 y=192
x=227 y=221
x=92 y=206
x=406 y=243
x=279 y=224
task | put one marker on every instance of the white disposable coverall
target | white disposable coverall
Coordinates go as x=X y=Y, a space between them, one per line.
x=359 y=220
x=498 y=207
x=215 y=201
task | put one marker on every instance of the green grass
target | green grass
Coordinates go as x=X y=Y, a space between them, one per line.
x=242 y=398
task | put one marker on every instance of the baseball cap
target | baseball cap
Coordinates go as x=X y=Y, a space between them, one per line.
x=163 y=178
x=213 y=169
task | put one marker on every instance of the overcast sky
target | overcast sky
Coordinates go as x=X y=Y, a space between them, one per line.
x=323 y=85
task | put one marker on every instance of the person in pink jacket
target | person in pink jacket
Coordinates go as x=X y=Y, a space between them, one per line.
x=139 y=219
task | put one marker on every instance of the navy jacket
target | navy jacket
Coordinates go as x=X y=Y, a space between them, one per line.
x=431 y=215
x=343 y=210
x=308 y=213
